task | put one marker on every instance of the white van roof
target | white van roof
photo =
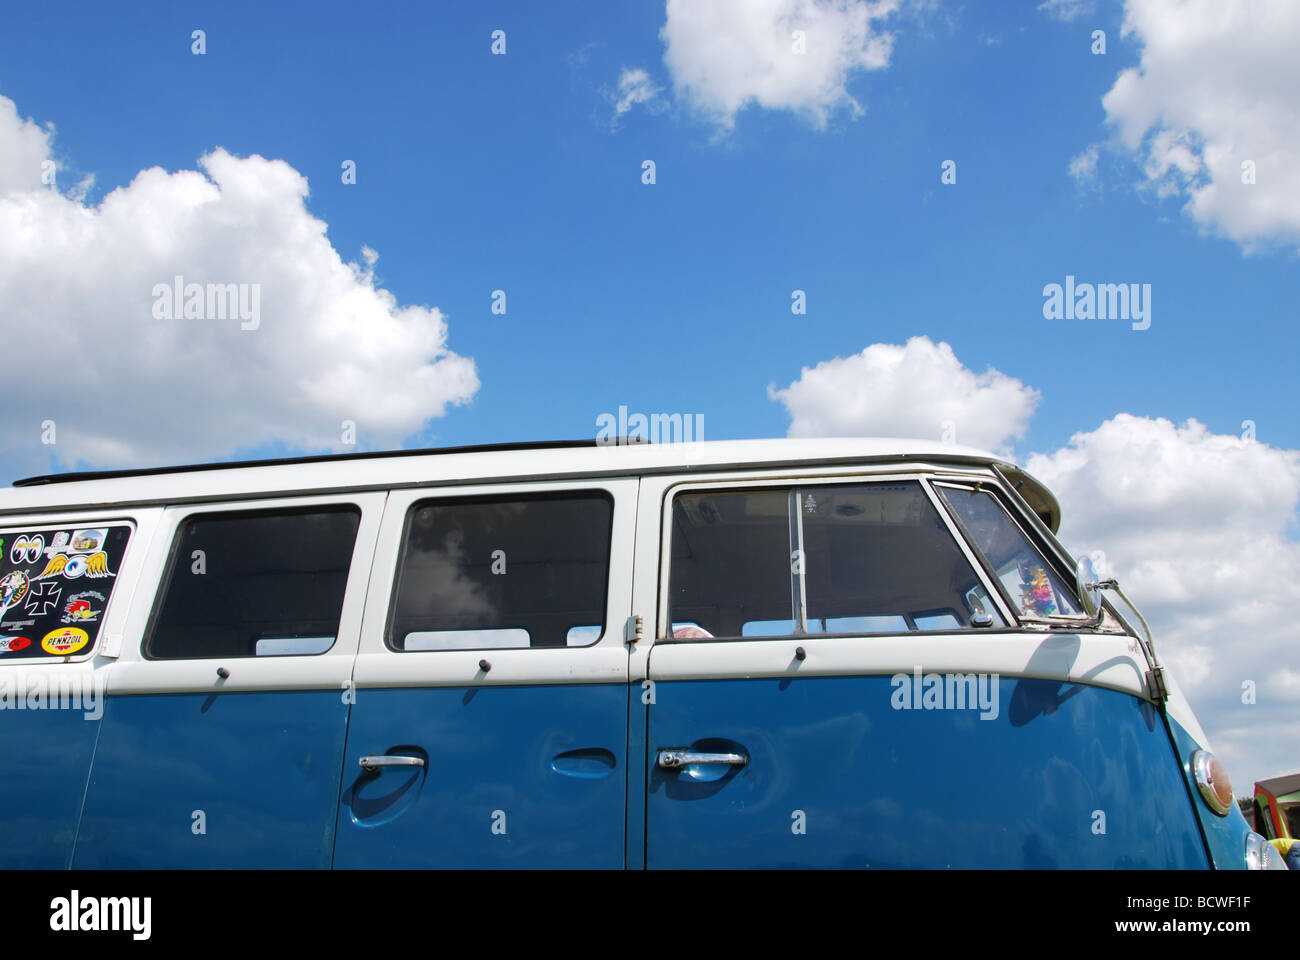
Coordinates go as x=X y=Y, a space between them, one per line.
x=479 y=464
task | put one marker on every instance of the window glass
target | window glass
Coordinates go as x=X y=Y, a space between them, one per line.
x=730 y=562
x=1032 y=586
x=858 y=558
x=498 y=573
x=264 y=583
x=55 y=583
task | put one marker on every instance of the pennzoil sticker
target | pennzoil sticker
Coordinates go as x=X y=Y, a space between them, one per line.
x=13 y=644
x=64 y=641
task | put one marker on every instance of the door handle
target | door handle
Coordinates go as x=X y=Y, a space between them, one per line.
x=676 y=759
x=371 y=764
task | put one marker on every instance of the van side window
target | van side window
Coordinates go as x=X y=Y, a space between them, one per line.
x=55 y=584
x=487 y=573
x=261 y=583
x=852 y=558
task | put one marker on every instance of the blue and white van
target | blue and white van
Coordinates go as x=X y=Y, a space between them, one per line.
x=788 y=653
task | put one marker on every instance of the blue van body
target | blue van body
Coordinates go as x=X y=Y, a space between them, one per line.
x=461 y=748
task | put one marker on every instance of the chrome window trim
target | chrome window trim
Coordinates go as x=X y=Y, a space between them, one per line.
x=1082 y=622
x=976 y=560
x=1054 y=544
x=798 y=580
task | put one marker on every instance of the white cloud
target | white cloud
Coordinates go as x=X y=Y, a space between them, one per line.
x=1066 y=10
x=634 y=87
x=724 y=55
x=1083 y=168
x=1196 y=527
x=24 y=151
x=76 y=313
x=1218 y=85
x=908 y=391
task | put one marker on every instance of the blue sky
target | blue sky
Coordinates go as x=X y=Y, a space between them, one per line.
x=774 y=172
x=478 y=172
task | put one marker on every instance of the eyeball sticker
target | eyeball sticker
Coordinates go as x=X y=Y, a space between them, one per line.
x=70 y=568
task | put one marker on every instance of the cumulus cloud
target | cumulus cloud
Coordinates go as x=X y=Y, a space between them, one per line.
x=1198 y=528
x=1214 y=101
x=634 y=87
x=727 y=54
x=916 y=390
x=78 y=311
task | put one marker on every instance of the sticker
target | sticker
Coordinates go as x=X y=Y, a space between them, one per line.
x=83 y=607
x=12 y=644
x=13 y=588
x=64 y=641
x=16 y=624
x=26 y=549
x=54 y=567
x=94 y=566
x=58 y=544
x=97 y=565
x=87 y=541
x=43 y=597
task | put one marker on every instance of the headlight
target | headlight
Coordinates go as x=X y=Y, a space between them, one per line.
x=1212 y=780
x=1262 y=855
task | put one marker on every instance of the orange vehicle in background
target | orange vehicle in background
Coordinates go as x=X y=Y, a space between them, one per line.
x=1277 y=807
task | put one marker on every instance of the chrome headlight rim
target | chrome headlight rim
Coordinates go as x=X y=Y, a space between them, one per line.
x=1203 y=763
x=1262 y=855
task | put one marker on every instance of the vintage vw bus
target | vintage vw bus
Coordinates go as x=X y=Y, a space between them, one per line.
x=803 y=653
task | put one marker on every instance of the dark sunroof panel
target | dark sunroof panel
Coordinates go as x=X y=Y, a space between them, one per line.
x=324 y=458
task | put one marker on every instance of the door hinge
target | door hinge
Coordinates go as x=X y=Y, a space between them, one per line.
x=632 y=630
x=1156 y=683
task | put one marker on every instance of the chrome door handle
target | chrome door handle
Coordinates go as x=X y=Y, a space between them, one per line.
x=371 y=764
x=675 y=759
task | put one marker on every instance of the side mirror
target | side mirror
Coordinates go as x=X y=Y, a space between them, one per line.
x=1089 y=587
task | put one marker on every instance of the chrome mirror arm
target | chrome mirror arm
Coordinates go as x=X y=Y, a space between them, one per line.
x=1156 y=672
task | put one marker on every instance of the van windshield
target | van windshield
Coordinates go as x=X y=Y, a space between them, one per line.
x=1033 y=588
